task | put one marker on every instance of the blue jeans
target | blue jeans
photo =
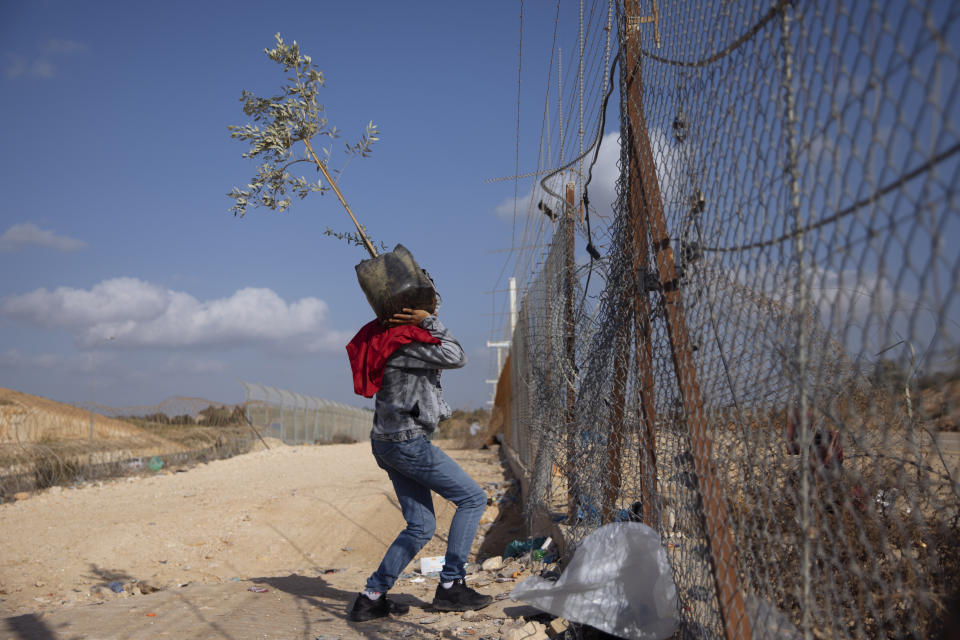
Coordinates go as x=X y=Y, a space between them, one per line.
x=416 y=467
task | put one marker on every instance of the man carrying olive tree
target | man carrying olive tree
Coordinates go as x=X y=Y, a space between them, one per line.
x=409 y=355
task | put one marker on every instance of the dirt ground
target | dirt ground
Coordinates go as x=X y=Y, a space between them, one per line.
x=186 y=546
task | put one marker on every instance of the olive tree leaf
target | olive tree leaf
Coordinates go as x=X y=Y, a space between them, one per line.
x=279 y=136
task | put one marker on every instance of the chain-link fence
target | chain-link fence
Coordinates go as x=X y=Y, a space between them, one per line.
x=763 y=360
x=298 y=419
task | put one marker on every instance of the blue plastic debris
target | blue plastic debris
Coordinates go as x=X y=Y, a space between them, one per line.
x=589 y=513
x=519 y=547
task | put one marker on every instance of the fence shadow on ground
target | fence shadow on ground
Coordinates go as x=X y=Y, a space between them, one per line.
x=334 y=603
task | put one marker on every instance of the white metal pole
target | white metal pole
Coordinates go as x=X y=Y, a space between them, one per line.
x=513 y=306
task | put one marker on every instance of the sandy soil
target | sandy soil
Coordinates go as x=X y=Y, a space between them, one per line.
x=306 y=523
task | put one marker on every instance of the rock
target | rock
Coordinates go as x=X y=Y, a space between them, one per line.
x=557 y=626
x=532 y=630
x=492 y=564
x=490 y=514
x=429 y=620
x=473 y=616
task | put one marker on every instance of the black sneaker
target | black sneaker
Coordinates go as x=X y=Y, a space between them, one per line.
x=459 y=597
x=366 y=609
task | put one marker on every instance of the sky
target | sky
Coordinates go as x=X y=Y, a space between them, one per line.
x=125 y=278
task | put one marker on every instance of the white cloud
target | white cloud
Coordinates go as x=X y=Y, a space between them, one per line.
x=111 y=301
x=140 y=314
x=40 y=65
x=17 y=66
x=606 y=171
x=527 y=203
x=603 y=184
x=866 y=312
x=27 y=234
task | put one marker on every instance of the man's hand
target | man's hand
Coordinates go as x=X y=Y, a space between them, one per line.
x=409 y=316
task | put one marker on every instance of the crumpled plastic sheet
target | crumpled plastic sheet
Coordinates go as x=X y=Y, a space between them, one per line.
x=618 y=581
x=767 y=621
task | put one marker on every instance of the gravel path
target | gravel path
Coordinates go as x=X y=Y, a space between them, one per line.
x=306 y=523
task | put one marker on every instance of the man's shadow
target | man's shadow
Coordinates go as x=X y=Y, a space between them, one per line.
x=333 y=603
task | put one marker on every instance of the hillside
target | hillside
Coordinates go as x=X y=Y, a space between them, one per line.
x=43 y=442
x=29 y=418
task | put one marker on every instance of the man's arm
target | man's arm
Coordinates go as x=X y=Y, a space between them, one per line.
x=446 y=355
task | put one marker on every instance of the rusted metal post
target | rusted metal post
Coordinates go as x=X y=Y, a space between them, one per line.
x=570 y=415
x=643 y=355
x=723 y=551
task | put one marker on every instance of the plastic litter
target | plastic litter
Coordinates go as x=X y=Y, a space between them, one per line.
x=258 y=589
x=588 y=513
x=618 y=581
x=432 y=564
x=155 y=463
x=116 y=587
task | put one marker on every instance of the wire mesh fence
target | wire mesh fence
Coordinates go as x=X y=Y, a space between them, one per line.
x=763 y=364
x=44 y=443
x=298 y=419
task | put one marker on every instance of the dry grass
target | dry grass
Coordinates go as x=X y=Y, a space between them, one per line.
x=27 y=418
x=45 y=443
x=457 y=429
x=33 y=466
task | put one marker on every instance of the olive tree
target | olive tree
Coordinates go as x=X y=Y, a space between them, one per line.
x=283 y=133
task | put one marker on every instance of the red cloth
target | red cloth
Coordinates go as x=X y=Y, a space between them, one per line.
x=370 y=348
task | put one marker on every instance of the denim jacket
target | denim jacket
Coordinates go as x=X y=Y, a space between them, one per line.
x=410 y=402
